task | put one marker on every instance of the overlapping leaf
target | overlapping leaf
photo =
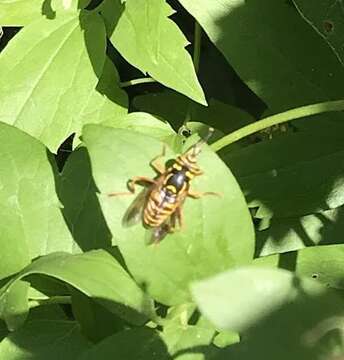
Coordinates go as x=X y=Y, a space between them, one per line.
x=159 y=44
x=272 y=49
x=327 y=19
x=32 y=223
x=294 y=313
x=44 y=339
x=295 y=233
x=51 y=70
x=207 y=244
x=98 y=275
x=291 y=175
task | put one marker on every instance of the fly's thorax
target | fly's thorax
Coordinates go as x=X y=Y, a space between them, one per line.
x=188 y=163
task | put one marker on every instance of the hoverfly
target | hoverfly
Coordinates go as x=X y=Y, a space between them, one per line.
x=159 y=205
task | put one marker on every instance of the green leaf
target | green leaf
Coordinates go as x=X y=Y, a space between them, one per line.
x=134 y=344
x=14 y=306
x=68 y=52
x=23 y=12
x=95 y=320
x=269 y=46
x=208 y=243
x=296 y=233
x=32 y=223
x=3 y=330
x=159 y=44
x=81 y=210
x=326 y=18
x=292 y=175
x=143 y=123
x=98 y=275
x=45 y=339
x=293 y=313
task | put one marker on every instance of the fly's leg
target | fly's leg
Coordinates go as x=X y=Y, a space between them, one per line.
x=156 y=163
x=180 y=217
x=199 y=194
x=132 y=183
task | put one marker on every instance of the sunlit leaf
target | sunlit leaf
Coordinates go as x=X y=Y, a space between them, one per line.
x=217 y=234
x=159 y=44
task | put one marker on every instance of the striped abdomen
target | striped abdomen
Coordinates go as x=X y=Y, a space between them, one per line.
x=160 y=205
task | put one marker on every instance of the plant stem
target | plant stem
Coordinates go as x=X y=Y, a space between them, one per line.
x=49 y=301
x=303 y=111
x=197 y=45
x=136 y=82
x=196 y=58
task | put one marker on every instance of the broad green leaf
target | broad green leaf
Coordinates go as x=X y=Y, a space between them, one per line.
x=326 y=17
x=175 y=107
x=272 y=50
x=107 y=102
x=295 y=233
x=159 y=44
x=69 y=53
x=23 y=12
x=81 y=210
x=44 y=339
x=208 y=243
x=47 y=312
x=98 y=275
x=293 y=313
x=32 y=223
x=292 y=175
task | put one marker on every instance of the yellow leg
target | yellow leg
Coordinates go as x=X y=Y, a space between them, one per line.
x=199 y=194
x=131 y=185
x=156 y=164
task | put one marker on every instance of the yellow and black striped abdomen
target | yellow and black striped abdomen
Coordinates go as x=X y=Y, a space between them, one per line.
x=160 y=205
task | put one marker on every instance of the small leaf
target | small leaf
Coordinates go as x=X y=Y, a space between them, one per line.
x=33 y=61
x=44 y=339
x=288 y=234
x=159 y=44
x=208 y=243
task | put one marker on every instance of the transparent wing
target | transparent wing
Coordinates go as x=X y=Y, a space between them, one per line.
x=156 y=234
x=133 y=215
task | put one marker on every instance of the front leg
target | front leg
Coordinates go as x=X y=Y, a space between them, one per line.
x=199 y=194
x=156 y=164
x=132 y=183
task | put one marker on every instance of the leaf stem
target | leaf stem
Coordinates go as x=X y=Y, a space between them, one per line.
x=297 y=113
x=197 y=45
x=136 y=82
x=196 y=59
x=50 y=301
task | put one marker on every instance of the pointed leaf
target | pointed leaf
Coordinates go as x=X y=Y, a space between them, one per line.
x=69 y=53
x=159 y=44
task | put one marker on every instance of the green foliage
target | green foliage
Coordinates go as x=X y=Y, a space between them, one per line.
x=90 y=93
